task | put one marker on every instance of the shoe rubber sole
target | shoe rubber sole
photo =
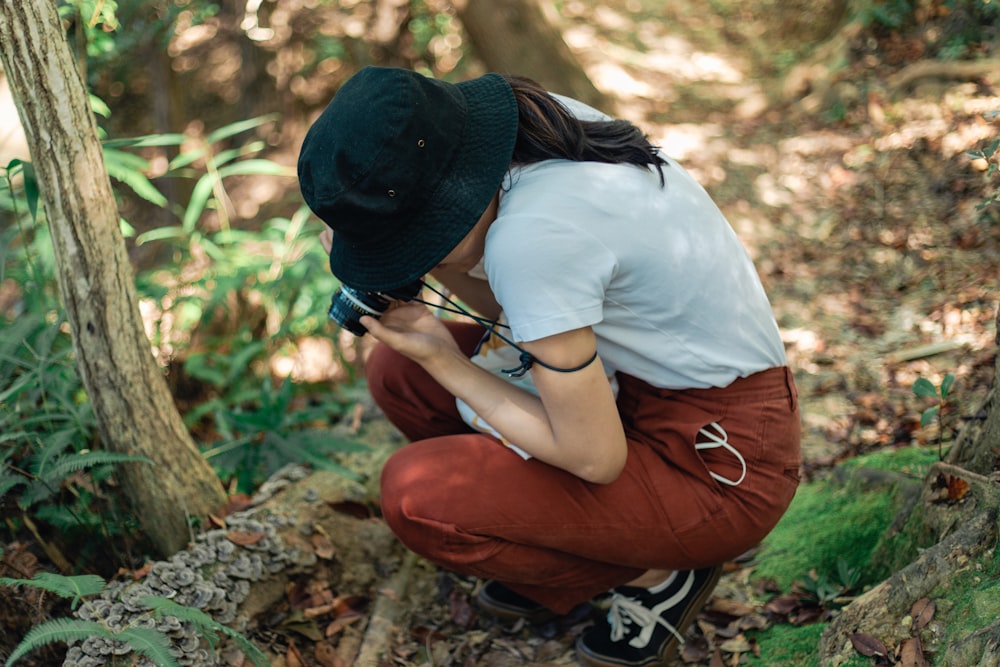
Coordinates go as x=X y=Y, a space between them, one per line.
x=508 y=612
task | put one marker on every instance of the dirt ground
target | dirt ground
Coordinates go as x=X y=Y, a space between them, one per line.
x=863 y=217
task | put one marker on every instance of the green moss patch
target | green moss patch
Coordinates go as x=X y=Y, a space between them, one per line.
x=841 y=518
x=834 y=525
x=788 y=646
x=969 y=602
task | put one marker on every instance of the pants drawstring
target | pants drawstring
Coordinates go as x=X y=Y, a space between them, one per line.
x=720 y=439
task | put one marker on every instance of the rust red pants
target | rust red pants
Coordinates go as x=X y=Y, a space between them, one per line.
x=464 y=501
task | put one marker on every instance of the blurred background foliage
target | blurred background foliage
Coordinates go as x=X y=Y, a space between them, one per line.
x=200 y=105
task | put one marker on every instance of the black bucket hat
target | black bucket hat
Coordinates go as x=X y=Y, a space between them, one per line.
x=402 y=166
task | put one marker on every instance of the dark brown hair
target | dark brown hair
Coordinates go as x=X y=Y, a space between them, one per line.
x=547 y=130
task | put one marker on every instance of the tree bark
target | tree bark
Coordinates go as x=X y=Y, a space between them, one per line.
x=977 y=447
x=134 y=409
x=515 y=37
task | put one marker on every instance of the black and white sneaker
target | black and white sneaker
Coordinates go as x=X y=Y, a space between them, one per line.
x=645 y=626
x=501 y=602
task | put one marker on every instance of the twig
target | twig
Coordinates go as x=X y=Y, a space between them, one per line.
x=385 y=613
x=922 y=351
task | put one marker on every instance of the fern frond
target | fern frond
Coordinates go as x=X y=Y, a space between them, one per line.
x=56 y=630
x=207 y=626
x=75 y=587
x=62 y=467
x=9 y=481
x=151 y=643
x=53 y=447
x=34 y=493
x=69 y=517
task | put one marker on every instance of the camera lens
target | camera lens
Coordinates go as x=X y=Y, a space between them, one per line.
x=348 y=305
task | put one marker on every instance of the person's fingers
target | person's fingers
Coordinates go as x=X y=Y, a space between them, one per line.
x=375 y=328
x=326 y=239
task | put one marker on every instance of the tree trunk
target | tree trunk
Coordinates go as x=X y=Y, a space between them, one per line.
x=515 y=37
x=134 y=409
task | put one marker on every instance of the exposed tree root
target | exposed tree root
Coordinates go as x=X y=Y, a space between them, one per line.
x=878 y=611
x=981 y=648
x=385 y=615
x=810 y=81
x=964 y=70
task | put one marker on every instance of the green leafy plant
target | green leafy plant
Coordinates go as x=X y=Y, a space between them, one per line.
x=924 y=388
x=988 y=153
x=889 y=14
x=148 y=642
x=260 y=438
x=249 y=295
x=50 y=474
x=104 y=49
x=220 y=161
x=825 y=590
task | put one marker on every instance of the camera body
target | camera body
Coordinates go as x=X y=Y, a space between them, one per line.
x=348 y=304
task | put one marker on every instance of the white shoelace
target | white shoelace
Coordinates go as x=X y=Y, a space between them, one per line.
x=626 y=611
x=721 y=439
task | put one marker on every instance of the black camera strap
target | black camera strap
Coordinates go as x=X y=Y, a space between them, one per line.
x=527 y=359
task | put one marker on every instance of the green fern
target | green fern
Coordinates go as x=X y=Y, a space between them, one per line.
x=148 y=642
x=56 y=630
x=207 y=626
x=70 y=463
x=73 y=588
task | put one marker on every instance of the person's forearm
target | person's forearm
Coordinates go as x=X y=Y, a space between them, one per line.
x=522 y=419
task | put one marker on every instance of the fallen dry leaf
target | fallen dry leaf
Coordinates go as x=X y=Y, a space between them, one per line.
x=326 y=655
x=136 y=575
x=461 y=612
x=732 y=607
x=427 y=636
x=243 y=538
x=237 y=503
x=957 y=488
x=695 y=650
x=868 y=646
x=752 y=622
x=323 y=547
x=911 y=654
x=922 y=613
x=292 y=657
x=783 y=605
x=341 y=622
x=737 y=644
x=352 y=508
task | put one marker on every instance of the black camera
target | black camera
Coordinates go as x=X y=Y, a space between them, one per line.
x=349 y=304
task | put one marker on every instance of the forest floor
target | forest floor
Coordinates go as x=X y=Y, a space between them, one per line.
x=862 y=212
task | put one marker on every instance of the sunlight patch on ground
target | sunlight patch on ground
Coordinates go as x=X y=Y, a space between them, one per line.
x=314 y=360
x=686 y=140
x=611 y=77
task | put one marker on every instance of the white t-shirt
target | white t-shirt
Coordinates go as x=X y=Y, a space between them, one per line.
x=658 y=272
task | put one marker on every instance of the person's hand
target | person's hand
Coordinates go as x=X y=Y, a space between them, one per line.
x=326 y=239
x=413 y=331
